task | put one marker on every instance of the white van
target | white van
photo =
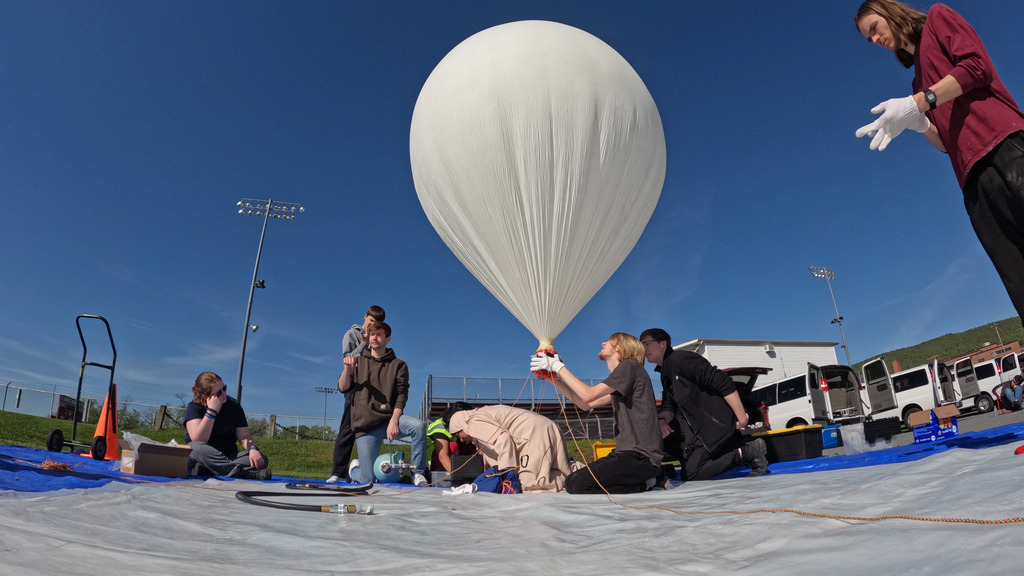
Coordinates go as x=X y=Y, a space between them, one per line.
x=824 y=394
x=920 y=388
x=988 y=377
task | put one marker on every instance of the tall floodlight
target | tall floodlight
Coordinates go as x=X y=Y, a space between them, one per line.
x=829 y=275
x=267 y=209
x=325 y=391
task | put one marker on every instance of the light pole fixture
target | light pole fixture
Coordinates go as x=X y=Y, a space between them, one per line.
x=325 y=391
x=267 y=209
x=829 y=275
x=998 y=335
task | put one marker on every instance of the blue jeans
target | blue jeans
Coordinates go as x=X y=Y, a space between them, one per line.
x=410 y=430
x=1013 y=396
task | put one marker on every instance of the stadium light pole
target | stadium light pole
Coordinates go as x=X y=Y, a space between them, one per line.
x=325 y=391
x=267 y=209
x=829 y=275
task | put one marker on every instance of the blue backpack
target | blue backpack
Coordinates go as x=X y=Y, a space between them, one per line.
x=499 y=482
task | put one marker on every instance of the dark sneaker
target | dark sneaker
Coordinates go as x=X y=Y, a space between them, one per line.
x=263 y=474
x=755 y=455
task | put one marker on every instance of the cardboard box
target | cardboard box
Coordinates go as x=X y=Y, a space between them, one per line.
x=937 y=424
x=796 y=443
x=155 y=460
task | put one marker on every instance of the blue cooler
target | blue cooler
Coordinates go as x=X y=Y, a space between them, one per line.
x=830 y=436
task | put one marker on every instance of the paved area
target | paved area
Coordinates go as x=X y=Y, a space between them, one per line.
x=969 y=422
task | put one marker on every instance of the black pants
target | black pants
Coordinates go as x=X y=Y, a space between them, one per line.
x=621 y=472
x=344 y=442
x=994 y=198
x=698 y=463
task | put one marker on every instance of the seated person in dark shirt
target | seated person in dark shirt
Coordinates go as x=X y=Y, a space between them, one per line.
x=214 y=424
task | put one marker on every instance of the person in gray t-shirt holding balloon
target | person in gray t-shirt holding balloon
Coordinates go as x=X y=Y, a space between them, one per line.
x=635 y=463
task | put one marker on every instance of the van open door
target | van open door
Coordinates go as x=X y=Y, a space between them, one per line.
x=966 y=379
x=1009 y=367
x=821 y=408
x=947 y=389
x=881 y=395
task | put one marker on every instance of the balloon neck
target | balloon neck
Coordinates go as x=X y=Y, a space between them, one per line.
x=546 y=345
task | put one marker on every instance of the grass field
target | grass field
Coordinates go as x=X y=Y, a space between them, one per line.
x=288 y=457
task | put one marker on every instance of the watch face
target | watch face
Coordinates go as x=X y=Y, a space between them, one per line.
x=929 y=96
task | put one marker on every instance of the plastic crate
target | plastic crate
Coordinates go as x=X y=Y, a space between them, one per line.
x=602 y=449
x=465 y=469
x=884 y=428
x=796 y=443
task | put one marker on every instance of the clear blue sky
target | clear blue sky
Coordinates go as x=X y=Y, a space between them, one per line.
x=128 y=130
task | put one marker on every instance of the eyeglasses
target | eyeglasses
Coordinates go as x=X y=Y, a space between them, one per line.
x=221 y=391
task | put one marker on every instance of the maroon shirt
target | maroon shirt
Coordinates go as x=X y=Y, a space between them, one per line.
x=976 y=122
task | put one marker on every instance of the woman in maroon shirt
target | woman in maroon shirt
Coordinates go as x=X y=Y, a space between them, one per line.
x=962 y=107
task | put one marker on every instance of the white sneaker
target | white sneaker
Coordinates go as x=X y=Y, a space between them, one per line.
x=419 y=479
x=352 y=465
x=333 y=479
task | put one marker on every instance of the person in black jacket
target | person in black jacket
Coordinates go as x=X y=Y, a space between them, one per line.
x=701 y=413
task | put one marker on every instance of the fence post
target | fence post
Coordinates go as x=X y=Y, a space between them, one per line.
x=272 y=425
x=160 y=414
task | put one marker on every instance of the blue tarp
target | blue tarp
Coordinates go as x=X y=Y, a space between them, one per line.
x=20 y=471
x=973 y=440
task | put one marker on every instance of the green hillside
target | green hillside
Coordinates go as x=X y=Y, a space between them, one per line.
x=952 y=345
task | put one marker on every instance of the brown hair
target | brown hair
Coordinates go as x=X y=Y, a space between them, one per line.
x=379 y=326
x=375 y=312
x=629 y=346
x=905 y=23
x=204 y=387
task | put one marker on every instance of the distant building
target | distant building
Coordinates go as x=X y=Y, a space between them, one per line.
x=988 y=352
x=785 y=358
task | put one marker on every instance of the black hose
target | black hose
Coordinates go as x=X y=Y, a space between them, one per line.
x=318 y=490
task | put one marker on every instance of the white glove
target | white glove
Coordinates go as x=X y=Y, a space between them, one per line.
x=897 y=114
x=464 y=489
x=545 y=362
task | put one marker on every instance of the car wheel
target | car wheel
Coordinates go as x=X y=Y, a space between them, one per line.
x=906 y=415
x=983 y=403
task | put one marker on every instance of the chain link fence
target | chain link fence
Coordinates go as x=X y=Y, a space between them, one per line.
x=142 y=416
x=526 y=393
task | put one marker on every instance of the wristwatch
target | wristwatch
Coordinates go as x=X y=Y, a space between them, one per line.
x=929 y=97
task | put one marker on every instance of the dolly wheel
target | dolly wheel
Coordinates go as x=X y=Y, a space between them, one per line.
x=55 y=443
x=99 y=448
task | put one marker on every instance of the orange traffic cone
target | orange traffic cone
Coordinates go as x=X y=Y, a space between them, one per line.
x=107 y=428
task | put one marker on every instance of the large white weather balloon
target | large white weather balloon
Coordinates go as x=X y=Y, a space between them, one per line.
x=538 y=156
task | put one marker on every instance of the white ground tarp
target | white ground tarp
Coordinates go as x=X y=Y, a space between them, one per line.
x=200 y=527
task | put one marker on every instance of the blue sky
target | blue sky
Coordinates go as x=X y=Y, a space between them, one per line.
x=129 y=130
